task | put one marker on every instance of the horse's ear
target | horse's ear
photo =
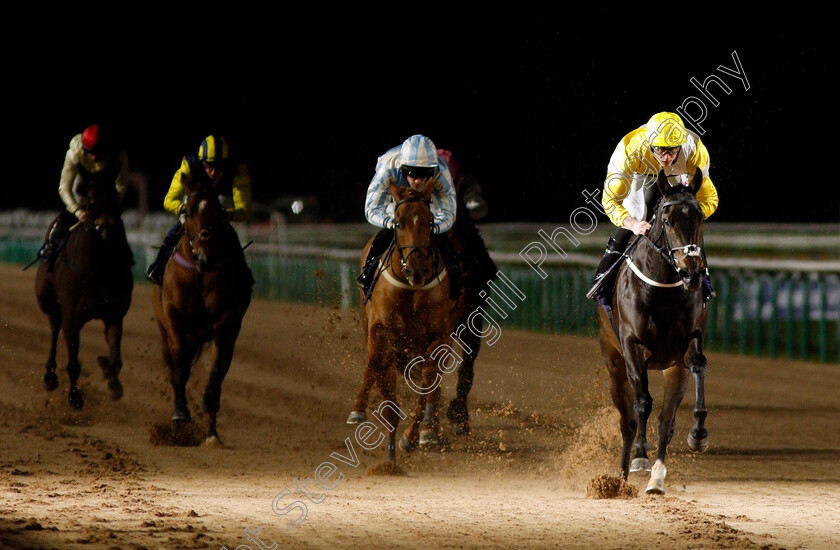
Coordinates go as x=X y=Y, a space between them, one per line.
x=696 y=181
x=394 y=190
x=428 y=189
x=662 y=183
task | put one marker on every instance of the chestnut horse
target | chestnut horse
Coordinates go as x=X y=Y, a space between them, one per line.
x=409 y=316
x=90 y=279
x=658 y=322
x=204 y=296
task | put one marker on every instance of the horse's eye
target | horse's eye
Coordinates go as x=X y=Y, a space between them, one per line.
x=396 y=224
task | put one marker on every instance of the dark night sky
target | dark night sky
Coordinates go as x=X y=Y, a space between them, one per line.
x=535 y=112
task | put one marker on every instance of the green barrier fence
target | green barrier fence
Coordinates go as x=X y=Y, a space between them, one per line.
x=761 y=313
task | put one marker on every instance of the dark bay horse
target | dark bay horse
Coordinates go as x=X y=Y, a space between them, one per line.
x=205 y=293
x=660 y=322
x=477 y=270
x=409 y=315
x=90 y=279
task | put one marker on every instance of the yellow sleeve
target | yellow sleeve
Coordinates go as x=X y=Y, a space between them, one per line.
x=626 y=160
x=174 y=199
x=707 y=193
x=241 y=195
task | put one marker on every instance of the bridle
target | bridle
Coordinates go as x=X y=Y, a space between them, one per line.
x=195 y=240
x=424 y=249
x=666 y=251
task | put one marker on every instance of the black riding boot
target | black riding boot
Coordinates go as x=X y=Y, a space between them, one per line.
x=602 y=285
x=155 y=271
x=447 y=254
x=708 y=290
x=55 y=239
x=377 y=248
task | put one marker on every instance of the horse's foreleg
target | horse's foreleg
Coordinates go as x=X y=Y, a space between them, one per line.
x=430 y=426
x=224 y=344
x=47 y=301
x=698 y=438
x=50 y=378
x=636 y=357
x=385 y=378
x=676 y=381
x=74 y=368
x=358 y=414
x=112 y=364
x=180 y=363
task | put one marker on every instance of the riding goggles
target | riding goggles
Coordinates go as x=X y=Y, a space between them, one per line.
x=418 y=172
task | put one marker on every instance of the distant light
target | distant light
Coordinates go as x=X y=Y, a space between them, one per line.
x=297 y=207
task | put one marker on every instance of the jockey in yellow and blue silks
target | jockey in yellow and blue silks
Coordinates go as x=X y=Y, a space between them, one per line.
x=630 y=194
x=211 y=166
x=415 y=163
x=93 y=155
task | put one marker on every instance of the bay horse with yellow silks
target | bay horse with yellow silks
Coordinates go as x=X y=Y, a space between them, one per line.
x=90 y=279
x=658 y=322
x=408 y=319
x=205 y=293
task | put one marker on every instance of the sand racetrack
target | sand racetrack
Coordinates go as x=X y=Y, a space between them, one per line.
x=542 y=429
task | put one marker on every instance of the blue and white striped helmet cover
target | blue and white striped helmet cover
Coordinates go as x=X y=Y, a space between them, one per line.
x=419 y=151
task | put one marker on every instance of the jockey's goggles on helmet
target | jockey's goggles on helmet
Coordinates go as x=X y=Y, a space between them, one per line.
x=418 y=172
x=665 y=150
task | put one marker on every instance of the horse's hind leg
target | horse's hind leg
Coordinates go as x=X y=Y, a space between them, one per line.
x=623 y=399
x=698 y=438
x=112 y=364
x=458 y=413
x=676 y=380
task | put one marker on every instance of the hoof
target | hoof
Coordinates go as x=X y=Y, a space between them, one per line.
x=461 y=429
x=459 y=416
x=76 y=399
x=115 y=389
x=357 y=417
x=640 y=465
x=656 y=485
x=50 y=381
x=181 y=415
x=429 y=438
x=406 y=446
x=213 y=441
x=697 y=445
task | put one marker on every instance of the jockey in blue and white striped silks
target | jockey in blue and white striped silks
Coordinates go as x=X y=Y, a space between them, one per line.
x=417 y=151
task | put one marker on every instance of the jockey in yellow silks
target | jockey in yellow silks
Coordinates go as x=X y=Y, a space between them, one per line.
x=211 y=166
x=630 y=194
